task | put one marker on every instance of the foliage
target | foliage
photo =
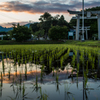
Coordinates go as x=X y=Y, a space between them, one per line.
x=46 y=21
x=57 y=32
x=21 y=33
x=45 y=17
x=93 y=9
x=6 y=38
x=62 y=21
x=39 y=33
x=34 y=27
x=95 y=36
x=3 y=33
x=88 y=22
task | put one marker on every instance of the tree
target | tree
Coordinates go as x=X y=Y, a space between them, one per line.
x=45 y=23
x=62 y=21
x=58 y=32
x=55 y=20
x=39 y=33
x=21 y=33
x=35 y=27
x=45 y=17
x=88 y=22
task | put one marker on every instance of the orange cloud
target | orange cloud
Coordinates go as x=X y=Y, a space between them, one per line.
x=34 y=7
x=43 y=6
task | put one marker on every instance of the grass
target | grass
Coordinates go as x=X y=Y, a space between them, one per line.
x=85 y=43
x=90 y=43
x=12 y=42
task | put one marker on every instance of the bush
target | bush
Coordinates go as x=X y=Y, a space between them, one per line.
x=57 y=32
x=6 y=38
x=21 y=33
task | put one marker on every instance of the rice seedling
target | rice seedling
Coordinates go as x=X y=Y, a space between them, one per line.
x=1 y=80
x=43 y=96
x=3 y=66
x=41 y=75
x=9 y=74
x=25 y=71
x=67 y=92
x=61 y=62
x=53 y=71
x=52 y=57
x=50 y=62
x=77 y=73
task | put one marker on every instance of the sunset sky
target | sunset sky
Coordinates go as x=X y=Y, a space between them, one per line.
x=24 y=11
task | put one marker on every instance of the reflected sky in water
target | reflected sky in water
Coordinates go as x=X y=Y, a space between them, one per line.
x=65 y=89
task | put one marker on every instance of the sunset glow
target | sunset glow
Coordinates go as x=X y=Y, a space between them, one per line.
x=26 y=10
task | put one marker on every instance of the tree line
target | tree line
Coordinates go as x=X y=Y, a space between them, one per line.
x=54 y=27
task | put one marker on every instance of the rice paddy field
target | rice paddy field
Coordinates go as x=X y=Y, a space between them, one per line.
x=49 y=72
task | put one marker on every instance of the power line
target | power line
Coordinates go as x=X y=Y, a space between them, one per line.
x=2 y=20
x=9 y=16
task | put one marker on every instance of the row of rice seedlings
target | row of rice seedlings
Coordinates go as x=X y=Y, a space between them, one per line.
x=58 y=55
x=41 y=76
x=82 y=58
x=3 y=66
x=75 y=62
x=93 y=62
x=28 y=57
x=25 y=71
x=64 y=57
x=78 y=65
x=57 y=81
x=85 y=75
x=53 y=71
x=38 y=46
x=50 y=57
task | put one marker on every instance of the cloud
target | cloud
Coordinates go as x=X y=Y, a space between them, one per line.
x=10 y=23
x=45 y=6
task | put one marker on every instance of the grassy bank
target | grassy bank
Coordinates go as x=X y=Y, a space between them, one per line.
x=90 y=43
x=12 y=42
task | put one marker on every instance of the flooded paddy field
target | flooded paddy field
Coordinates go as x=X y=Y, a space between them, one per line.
x=49 y=72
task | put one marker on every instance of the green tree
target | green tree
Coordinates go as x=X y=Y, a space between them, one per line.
x=55 y=20
x=45 y=23
x=45 y=17
x=39 y=33
x=62 y=21
x=58 y=32
x=21 y=33
x=35 y=27
x=88 y=22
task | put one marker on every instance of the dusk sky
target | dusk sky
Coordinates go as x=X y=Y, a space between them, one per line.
x=24 y=11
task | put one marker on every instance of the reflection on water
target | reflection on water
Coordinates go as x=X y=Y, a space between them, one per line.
x=60 y=74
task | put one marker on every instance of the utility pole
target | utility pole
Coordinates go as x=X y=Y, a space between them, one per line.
x=82 y=20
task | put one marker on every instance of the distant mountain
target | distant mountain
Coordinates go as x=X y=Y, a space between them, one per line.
x=4 y=29
x=28 y=25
